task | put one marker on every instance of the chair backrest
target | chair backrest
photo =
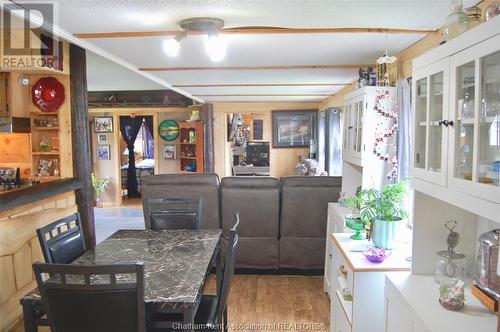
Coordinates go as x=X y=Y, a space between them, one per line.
x=229 y=262
x=167 y=213
x=62 y=241
x=98 y=298
x=196 y=185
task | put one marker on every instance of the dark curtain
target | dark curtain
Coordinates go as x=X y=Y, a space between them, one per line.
x=148 y=139
x=130 y=127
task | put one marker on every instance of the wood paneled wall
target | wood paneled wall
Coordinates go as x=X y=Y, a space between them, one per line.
x=19 y=249
x=282 y=161
x=111 y=168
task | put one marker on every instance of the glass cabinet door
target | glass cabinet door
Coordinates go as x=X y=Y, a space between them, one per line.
x=420 y=123
x=359 y=138
x=475 y=145
x=431 y=93
x=435 y=97
x=488 y=170
x=355 y=119
x=464 y=127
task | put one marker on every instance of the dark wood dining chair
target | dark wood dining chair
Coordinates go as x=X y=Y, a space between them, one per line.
x=212 y=312
x=62 y=241
x=97 y=298
x=172 y=213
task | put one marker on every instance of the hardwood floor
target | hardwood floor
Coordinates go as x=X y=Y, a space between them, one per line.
x=263 y=302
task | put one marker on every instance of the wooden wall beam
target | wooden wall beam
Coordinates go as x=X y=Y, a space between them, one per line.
x=82 y=166
x=207 y=116
x=253 y=31
x=335 y=66
x=255 y=85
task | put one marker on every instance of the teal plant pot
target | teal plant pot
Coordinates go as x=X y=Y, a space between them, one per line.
x=384 y=233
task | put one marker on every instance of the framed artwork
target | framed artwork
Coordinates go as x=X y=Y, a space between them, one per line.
x=102 y=138
x=103 y=124
x=168 y=130
x=103 y=152
x=258 y=130
x=293 y=129
x=170 y=152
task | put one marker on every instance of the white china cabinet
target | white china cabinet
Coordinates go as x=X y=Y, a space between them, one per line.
x=359 y=126
x=456 y=131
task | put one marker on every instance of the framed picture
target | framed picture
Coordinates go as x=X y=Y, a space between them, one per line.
x=168 y=130
x=103 y=124
x=103 y=152
x=170 y=152
x=293 y=129
x=102 y=138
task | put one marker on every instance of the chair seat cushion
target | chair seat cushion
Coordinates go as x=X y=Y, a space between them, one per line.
x=207 y=311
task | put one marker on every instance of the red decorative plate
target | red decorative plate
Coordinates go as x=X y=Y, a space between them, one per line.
x=48 y=94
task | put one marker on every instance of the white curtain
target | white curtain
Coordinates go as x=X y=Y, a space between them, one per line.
x=404 y=138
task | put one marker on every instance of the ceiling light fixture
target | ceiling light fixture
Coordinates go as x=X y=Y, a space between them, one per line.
x=215 y=45
x=386 y=58
x=172 y=46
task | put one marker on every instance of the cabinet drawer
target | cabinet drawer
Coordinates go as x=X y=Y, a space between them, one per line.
x=340 y=322
x=343 y=271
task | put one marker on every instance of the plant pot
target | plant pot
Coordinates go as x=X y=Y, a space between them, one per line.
x=384 y=233
x=98 y=202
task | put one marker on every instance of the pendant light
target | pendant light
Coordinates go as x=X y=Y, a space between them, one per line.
x=386 y=58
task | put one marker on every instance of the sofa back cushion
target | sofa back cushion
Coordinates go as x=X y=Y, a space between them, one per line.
x=304 y=204
x=257 y=199
x=193 y=186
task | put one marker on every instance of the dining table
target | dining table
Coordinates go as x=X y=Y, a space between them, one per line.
x=177 y=264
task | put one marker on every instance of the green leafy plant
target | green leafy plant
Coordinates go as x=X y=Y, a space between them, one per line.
x=386 y=204
x=99 y=185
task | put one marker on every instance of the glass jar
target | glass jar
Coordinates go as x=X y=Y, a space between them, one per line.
x=473 y=17
x=44 y=145
x=450 y=275
x=492 y=10
x=485 y=275
x=455 y=23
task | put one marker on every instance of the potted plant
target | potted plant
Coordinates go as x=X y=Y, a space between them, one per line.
x=99 y=188
x=384 y=209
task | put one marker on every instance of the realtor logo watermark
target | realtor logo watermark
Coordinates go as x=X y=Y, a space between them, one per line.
x=27 y=34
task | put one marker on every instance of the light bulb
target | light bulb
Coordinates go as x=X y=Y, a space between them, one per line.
x=216 y=47
x=171 y=46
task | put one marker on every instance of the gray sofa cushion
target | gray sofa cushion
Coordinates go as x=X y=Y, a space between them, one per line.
x=302 y=253
x=257 y=199
x=198 y=185
x=256 y=252
x=304 y=204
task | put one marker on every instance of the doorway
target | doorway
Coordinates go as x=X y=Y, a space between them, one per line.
x=136 y=155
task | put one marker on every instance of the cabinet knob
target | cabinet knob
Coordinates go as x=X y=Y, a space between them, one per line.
x=440 y=122
x=330 y=255
x=446 y=123
x=342 y=270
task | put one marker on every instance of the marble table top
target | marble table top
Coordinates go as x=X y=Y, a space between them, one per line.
x=176 y=262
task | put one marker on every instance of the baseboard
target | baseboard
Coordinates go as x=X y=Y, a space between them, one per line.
x=281 y=271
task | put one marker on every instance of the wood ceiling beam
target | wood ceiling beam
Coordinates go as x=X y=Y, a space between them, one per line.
x=252 y=31
x=350 y=66
x=256 y=85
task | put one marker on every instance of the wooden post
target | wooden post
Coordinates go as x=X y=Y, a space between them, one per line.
x=207 y=116
x=82 y=166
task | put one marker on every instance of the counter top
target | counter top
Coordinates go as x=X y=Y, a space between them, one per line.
x=22 y=196
x=421 y=292
x=352 y=250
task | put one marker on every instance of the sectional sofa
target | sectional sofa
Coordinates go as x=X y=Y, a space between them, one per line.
x=282 y=220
